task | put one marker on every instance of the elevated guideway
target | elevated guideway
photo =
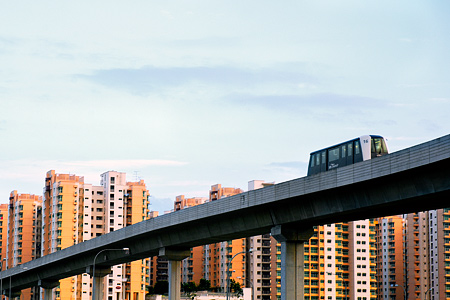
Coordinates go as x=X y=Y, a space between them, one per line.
x=414 y=179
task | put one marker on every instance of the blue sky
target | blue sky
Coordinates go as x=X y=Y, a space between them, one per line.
x=187 y=94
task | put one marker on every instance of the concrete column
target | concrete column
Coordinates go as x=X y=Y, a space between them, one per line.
x=48 y=294
x=175 y=256
x=97 y=282
x=292 y=260
x=48 y=287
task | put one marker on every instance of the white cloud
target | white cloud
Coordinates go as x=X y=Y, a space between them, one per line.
x=440 y=100
x=34 y=170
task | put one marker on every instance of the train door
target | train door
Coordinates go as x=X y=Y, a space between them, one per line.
x=323 y=161
x=333 y=158
x=349 y=153
x=343 y=159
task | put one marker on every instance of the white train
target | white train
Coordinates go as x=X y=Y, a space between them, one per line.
x=359 y=149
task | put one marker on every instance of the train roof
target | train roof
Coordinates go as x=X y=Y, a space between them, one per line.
x=371 y=135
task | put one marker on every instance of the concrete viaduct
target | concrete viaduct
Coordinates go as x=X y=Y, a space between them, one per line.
x=411 y=180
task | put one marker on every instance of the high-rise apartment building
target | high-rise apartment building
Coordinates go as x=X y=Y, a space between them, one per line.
x=211 y=261
x=75 y=211
x=264 y=265
x=428 y=254
x=439 y=286
x=3 y=234
x=191 y=267
x=220 y=254
x=24 y=233
x=62 y=219
x=340 y=262
x=390 y=257
x=417 y=255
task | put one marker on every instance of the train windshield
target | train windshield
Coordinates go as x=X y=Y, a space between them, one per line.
x=378 y=147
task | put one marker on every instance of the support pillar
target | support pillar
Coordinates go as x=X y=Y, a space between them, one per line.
x=175 y=256
x=48 y=287
x=98 y=280
x=292 y=260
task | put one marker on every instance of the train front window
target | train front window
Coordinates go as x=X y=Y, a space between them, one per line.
x=378 y=147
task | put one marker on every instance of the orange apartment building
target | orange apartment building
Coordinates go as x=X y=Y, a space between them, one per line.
x=210 y=261
x=219 y=254
x=3 y=234
x=390 y=257
x=439 y=286
x=191 y=267
x=61 y=221
x=24 y=233
x=74 y=212
x=428 y=254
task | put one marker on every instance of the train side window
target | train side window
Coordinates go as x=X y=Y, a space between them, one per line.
x=357 y=152
x=312 y=160
x=317 y=159
x=324 y=154
x=350 y=149
x=343 y=151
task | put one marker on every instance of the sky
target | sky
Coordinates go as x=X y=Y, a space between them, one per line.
x=189 y=94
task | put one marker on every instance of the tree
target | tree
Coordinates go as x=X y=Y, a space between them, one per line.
x=236 y=287
x=161 y=287
x=204 y=285
x=150 y=290
x=189 y=289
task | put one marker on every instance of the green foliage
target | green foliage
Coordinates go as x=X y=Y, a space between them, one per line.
x=161 y=287
x=236 y=287
x=204 y=285
x=189 y=287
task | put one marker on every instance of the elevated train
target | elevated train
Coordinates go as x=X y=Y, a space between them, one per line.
x=359 y=149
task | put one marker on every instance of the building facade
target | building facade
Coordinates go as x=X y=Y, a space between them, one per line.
x=390 y=257
x=75 y=211
x=24 y=233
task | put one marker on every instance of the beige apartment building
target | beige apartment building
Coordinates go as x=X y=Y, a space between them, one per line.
x=264 y=263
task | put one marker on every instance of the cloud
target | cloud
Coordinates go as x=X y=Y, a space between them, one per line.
x=32 y=170
x=287 y=170
x=295 y=165
x=305 y=103
x=440 y=100
x=151 y=78
x=406 y=40
x=429 y=125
